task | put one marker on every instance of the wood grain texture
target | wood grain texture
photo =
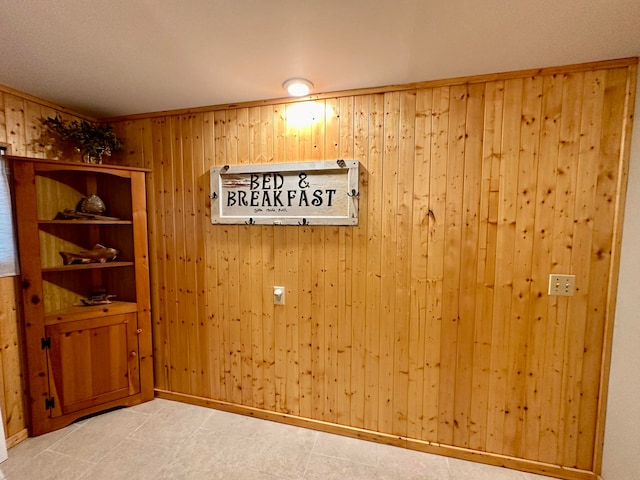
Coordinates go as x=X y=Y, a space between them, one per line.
x=20 y=129
x=430 y=319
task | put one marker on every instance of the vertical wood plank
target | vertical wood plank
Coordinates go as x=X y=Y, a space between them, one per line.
x=11 y=380
x=621 y=191
x=231 y=241
x=171 y=309
x=250 y=261
x=537 y=376
x=522 y=265
x=567 y=178
x=218 y=350
x=333 y=270
x=182 y=348
x=158 y=255
x=470 y=220
x=359 y=283
x=388 y=262
x=485 y=276
x=201 y=191
x=451 y=267
x=404 y=254
x=210 y=338
x=299 y=149
x=268 y=277
x=191 y=135
x=435 y=261
x=286 y=149
x=15 y=124
x=609 y=97
x=3 y=118
x=345 y=299
x=268 y=325
x=419 y=255
x=374 y=246
x=505 y=242
x=585 y=199
x=33 y=112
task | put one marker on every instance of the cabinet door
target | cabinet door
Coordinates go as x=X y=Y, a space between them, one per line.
x=92 y=361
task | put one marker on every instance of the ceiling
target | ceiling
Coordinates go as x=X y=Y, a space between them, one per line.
x=120 y=57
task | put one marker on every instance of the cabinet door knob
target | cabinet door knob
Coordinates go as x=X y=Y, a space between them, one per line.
x=26 y=284
x=139 y=331
x=133 y=354
x=35 y=299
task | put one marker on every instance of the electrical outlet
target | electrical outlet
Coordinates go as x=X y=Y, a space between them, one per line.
x=563 y=285
x=278 y=295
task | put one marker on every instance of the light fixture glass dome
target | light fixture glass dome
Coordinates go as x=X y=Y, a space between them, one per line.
x=298 y=87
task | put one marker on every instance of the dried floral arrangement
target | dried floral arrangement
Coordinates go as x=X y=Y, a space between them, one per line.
x=92 y=140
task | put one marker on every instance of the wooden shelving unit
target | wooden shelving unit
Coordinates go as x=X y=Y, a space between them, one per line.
x=82 y=359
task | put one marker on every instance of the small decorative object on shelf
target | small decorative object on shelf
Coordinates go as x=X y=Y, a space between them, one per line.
x=92 y=140
x=98 y=254
x=68 y=214
x=97 y=297
x=92 y=204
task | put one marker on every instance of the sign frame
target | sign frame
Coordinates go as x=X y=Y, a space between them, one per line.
x=323 y=193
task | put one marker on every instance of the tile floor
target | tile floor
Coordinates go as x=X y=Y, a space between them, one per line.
x=163 y=439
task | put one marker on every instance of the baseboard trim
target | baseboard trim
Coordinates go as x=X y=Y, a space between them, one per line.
x=17 y=438
x=410 y=443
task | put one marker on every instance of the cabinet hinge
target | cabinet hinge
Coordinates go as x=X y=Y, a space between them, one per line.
x=49 y=403
x=46 y=342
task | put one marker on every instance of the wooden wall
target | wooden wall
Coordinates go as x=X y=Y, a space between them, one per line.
x=428 y=325
x=20 y=129
x=430 y=321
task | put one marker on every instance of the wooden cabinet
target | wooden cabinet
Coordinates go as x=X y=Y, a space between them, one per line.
x=82 y=359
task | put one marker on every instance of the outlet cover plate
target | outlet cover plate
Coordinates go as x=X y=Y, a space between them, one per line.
x=562 y=285
x=278 y=295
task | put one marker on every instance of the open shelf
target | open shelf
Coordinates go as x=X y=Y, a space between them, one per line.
x=86 y=266
x=83 y=358
x=85 y=222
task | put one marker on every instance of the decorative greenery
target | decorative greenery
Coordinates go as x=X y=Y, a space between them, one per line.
x=91 y=139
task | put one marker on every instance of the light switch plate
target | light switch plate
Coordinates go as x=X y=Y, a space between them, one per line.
x=278 y=295
x=562 y=285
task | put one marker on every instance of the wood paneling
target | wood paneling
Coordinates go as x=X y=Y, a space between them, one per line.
x=13 y=407
x=20 y=129
x=430 y=320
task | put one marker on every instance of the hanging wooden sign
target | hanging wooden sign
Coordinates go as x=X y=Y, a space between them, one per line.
x=304 y=193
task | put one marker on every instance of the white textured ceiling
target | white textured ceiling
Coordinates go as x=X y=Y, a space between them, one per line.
x=116 y=57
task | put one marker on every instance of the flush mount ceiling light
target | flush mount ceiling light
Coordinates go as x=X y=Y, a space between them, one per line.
x=298 y=87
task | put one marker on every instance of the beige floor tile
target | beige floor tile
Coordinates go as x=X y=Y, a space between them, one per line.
x=463 y=470
x=172 y=425
x=229 y=454
x=401 y=463
x=131 y=460
x=331 y=468
x=282 y=431
x=231 y=422
x=99 y=435
x=281 y=450
x=206 y=448
x=351 y=449
x=533 y=476
x=150 y=408
x=184 y=468
x=33 y=446
x=171 y=440
x=50 y=466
